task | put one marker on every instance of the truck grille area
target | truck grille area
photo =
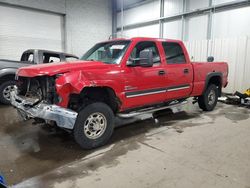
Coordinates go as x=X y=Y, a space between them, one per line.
x=40 y=87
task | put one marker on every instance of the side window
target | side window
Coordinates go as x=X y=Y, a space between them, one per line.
x=50 y=58
x=28 y=57
x=174 y=53
x=148 y=45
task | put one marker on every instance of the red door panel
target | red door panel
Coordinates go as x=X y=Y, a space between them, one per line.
x=179 y=78
x=145 y=85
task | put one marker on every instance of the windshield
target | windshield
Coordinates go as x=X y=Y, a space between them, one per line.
x=107 y=52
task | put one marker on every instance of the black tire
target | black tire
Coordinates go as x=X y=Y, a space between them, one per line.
x=82 y=131
x=206 y=102
x=3 y=98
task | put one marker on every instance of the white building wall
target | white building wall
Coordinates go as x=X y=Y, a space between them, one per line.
x=146 y=31
x=196 y=4
x=232 y=23
x=196 y=28
x=141 y=13
x=217 y=2
x=172 y=30
x=197 y=50
x=87 y=22
x=172 y=7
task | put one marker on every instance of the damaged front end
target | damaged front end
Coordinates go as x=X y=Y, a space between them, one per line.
x=37 y=98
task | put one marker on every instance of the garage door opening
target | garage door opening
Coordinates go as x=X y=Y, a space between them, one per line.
x=22 y=29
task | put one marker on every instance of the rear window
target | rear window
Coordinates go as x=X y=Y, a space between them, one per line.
x=174 y=53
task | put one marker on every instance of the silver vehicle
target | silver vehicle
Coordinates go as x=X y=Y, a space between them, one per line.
x=8 y=68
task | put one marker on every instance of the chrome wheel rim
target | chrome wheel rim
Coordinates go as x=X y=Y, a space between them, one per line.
x=6 y=92
x=95 y=125
x=211 y=97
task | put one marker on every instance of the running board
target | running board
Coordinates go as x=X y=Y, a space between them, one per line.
x=174 y=107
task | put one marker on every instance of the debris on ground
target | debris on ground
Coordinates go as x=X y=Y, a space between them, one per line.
x=237 y=98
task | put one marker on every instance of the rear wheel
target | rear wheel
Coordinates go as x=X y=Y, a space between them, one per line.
x=94 y=125
x=5 y=89
x=208 y=100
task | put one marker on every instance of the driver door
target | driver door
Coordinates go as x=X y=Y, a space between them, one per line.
x=144 y=85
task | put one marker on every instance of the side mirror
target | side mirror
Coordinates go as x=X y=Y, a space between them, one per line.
x=210 y=59
x=146 y=58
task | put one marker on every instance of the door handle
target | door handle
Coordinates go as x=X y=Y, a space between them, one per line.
x=161 y=72
x=186 y=71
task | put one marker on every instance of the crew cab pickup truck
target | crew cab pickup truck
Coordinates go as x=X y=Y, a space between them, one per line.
x=120 y=77
x=29 y=57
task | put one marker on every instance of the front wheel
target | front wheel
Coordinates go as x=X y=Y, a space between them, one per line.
x=5 y=89
x=208 y=100
x=94 y=125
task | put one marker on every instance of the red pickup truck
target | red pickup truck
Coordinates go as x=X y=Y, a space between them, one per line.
x=121 y=77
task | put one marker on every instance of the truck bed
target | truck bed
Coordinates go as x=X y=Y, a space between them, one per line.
x=4 y=63
x=201 y=71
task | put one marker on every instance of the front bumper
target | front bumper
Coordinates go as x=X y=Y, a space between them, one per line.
x=29 y=108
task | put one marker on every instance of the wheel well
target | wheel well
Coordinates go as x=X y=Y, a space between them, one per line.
x=94 y=94
x=7 y=78
x=216 y=80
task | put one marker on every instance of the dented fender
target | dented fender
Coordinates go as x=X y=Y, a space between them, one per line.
x=68 y=83
x=74 y=82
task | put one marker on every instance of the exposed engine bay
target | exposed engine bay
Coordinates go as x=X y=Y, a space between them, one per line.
x=41 y=88
x=36 y=98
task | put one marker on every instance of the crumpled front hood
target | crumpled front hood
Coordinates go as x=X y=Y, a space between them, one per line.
x=51 y=69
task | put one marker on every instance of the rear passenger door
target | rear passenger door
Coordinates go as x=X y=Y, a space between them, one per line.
x=179 y=71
